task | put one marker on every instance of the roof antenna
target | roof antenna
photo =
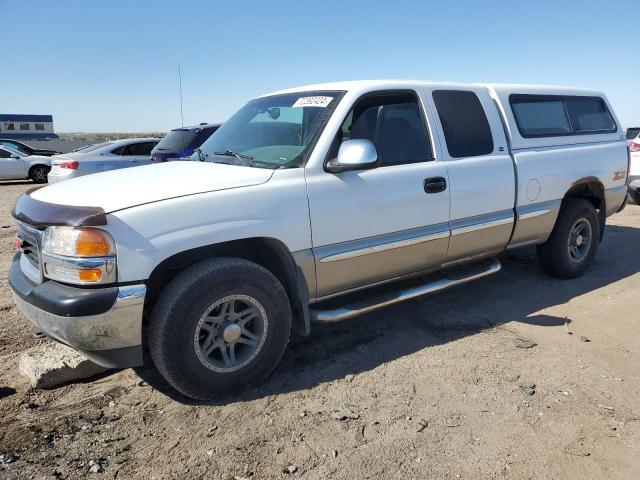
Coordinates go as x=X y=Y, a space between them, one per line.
x=180 y=79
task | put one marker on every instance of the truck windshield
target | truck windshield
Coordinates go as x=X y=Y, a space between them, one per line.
x=272 y=132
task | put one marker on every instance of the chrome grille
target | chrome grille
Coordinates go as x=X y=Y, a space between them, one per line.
x=30 y=244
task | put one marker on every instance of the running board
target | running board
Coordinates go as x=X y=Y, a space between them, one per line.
x=451 y=279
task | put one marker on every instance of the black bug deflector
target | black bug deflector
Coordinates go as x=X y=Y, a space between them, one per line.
x=40 y=214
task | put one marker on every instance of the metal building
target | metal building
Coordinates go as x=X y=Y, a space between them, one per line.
x=26 y=127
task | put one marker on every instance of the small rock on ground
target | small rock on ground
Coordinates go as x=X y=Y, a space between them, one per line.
x=54 y=364
x=524 y=343
x=95 y=466
x=528 y=388
x=343 y=413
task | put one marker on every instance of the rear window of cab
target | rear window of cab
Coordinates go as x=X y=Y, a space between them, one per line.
x=557 y=115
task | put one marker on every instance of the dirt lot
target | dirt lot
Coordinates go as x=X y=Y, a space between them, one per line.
x=433 y=388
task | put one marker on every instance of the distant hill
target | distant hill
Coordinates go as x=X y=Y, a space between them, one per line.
x=107 y=136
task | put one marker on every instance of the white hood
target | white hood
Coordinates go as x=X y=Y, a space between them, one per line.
x=129 y=187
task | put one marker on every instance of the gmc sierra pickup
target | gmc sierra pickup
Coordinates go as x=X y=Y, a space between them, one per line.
x=302 y=198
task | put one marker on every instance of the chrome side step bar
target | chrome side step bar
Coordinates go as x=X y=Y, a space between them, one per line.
x=473 y=272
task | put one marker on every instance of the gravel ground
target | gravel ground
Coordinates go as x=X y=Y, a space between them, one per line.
x=515 y=376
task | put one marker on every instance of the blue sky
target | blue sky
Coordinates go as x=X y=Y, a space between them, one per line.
x=112 y=65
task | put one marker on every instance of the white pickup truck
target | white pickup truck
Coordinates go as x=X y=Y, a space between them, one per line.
x=302 y=198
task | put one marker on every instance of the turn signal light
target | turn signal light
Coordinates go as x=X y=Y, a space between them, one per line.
x=90 y=275
x=92 y=243
x=73 y=165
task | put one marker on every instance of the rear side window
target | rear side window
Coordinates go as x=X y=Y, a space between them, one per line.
x=541 y=117
x=139 y=148
x=465 y=124
x=554 y=115
x=589 y=114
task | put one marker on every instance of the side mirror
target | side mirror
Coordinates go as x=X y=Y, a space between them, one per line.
x=354 y=155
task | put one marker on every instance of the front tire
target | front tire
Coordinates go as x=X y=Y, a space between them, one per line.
x=635 y=197
x=570 y=249
x=38 y=174
x=219 y=326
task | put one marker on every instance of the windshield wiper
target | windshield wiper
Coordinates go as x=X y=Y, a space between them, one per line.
x=231 y=153
x=200 y=154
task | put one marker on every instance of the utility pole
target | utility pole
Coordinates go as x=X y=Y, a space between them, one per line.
x=180 y=80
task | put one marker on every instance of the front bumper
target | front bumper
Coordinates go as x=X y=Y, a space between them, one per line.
x=104 y=324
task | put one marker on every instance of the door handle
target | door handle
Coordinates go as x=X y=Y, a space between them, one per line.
x=435 y=184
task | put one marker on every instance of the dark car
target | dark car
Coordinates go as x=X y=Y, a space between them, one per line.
x=182 y=142
x=26 y=149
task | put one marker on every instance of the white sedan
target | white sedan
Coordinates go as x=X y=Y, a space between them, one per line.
x=633 y=137
x=102 y=157
x=15 y=165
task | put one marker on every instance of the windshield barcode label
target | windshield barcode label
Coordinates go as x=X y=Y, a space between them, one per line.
x=318 y=101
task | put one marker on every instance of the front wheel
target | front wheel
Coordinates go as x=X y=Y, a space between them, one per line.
x=570 y=249
x=635 y=197
x=218 y=327
x=39 y=174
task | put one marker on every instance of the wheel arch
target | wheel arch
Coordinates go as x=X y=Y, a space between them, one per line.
x=267 y=252
x=34 y=165
x=592 y=190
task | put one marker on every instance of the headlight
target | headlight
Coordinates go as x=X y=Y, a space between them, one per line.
x=78 y=255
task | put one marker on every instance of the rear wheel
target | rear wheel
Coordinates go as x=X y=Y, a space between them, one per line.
x=570 y=249
x=219 y=326
x=39 y=173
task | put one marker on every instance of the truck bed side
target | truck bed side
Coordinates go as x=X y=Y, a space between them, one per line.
x=550 y=168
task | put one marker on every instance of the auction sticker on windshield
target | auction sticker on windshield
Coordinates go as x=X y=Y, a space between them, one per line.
x=317 y=101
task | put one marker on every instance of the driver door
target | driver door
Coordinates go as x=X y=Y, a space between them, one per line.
x=369 y=226
x=11 y=167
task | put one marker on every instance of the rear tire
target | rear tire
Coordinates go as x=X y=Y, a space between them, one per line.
x=570 y=249
x=38 y=174
x=220 y=326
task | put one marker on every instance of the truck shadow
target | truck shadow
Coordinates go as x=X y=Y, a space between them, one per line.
x=516 y=294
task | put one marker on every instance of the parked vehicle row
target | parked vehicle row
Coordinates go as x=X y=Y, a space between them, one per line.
x=300 y=203
x=102 y=157
x=26 y=149
x=16 y=165
x=21 y=161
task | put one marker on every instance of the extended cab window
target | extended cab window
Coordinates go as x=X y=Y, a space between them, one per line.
x=464 y=122
x=394 y=123
x=556 y=115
